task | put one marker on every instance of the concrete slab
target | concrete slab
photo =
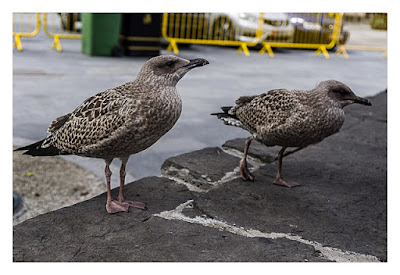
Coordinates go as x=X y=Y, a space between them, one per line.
x=69 y=235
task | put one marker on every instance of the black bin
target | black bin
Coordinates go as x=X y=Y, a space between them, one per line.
x=141 y=34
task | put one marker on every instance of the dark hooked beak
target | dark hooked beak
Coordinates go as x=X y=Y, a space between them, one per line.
x=361 y=100
x=198 y=62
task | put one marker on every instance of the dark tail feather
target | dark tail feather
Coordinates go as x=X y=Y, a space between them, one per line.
x=226 y=109
x=227 y=118
x=35 y=149
x=30 y=146
x=225 y=112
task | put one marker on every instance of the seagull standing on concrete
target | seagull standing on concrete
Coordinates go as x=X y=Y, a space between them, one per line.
x=290 y=118
x=121 y=121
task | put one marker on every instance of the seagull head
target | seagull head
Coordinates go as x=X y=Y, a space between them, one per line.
x=168 y=69
x=341 y=93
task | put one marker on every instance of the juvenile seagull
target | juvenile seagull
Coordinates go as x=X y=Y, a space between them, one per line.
x=121 y=121
x=290 y=118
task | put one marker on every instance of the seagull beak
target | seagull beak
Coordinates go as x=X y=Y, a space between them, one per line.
x=361 y=100
x=198 y=62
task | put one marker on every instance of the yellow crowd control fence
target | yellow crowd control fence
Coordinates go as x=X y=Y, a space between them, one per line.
x=320 y=31
x=378 y=24
x=306 y=30
x=208 y=28
x=61 y=25
x=25 y=25
x=55 y=25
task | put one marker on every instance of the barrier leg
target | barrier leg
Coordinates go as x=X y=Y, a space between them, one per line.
x=173 y=47
x=57 y=43
x=243 y=48
x=342 y=50
x=322 y=49
x=17 y=43
x=267 y=48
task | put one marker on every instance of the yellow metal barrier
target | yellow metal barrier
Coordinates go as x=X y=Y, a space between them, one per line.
x=209 y=28
x=321 y=31
x=25 y=25
x=60 y=25
x=378 y=23
x=313 y=30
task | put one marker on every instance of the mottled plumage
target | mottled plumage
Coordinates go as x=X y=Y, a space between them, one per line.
x=291 y=118
x=121 y=121
x=117 y=122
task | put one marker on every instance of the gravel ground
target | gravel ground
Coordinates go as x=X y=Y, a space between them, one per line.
x=50 y=183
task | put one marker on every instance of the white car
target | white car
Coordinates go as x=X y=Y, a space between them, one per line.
x=243 y=27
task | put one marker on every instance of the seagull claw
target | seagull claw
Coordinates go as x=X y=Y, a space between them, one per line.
x=116 y=206
x=290 y=184
x=244 y=172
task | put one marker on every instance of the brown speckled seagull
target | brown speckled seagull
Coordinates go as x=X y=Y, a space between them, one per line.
x=121 y=121
x=290 y=118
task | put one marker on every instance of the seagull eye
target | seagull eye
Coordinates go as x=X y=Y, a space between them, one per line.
x=340 y=91
x=170 y=64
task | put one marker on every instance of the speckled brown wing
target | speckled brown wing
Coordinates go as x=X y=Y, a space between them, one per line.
x=58 y=122
x=287 y=118
x=266 y=111
x=97 y=119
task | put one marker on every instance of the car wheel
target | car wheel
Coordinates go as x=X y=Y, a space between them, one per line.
x=344 y=37
x=68 y=21
x=223 y=29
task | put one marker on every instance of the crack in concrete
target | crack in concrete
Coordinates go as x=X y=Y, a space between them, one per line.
x=76 y=253
x=256 y=162
x=165 y=173
x=183 y=173
x=331 y=253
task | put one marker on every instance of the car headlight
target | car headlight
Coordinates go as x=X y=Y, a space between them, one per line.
x=312 y=26
x=248 y=16
x=296 y=20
